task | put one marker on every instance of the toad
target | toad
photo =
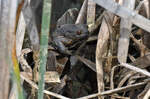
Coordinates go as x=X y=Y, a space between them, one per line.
x=67 y=35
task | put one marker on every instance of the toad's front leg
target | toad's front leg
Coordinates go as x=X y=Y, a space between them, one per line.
x=60 y=43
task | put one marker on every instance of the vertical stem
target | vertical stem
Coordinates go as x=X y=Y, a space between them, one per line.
x=4 y=67
x=14 y=12
x=91 y=9
x=125 y=30
x=7 y=32
x=44 y=44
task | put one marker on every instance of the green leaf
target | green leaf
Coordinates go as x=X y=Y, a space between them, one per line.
x=46 y=16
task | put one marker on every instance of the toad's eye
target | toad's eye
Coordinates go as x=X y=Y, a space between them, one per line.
x=79 y=32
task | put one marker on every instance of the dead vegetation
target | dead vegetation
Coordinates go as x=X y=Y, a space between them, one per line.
x=110 y=62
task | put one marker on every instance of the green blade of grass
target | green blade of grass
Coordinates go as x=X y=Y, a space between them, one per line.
x=46 y=16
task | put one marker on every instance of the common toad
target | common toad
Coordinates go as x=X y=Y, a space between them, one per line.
x=67 y=35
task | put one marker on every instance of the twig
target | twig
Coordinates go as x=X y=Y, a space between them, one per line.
x=125 y=79
x=142 y=62
x=112 y=76
x=90 y=64
x=117 y=90
x=131 y=58
x=125 y=30
x=140 y=5
x=45 y=91
x=92 y=38
x=147 y=95
x=125 y=13
x=60 y=86
x=135 y=69
x=142 y=94
x=139 y=44
x=119 y=97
